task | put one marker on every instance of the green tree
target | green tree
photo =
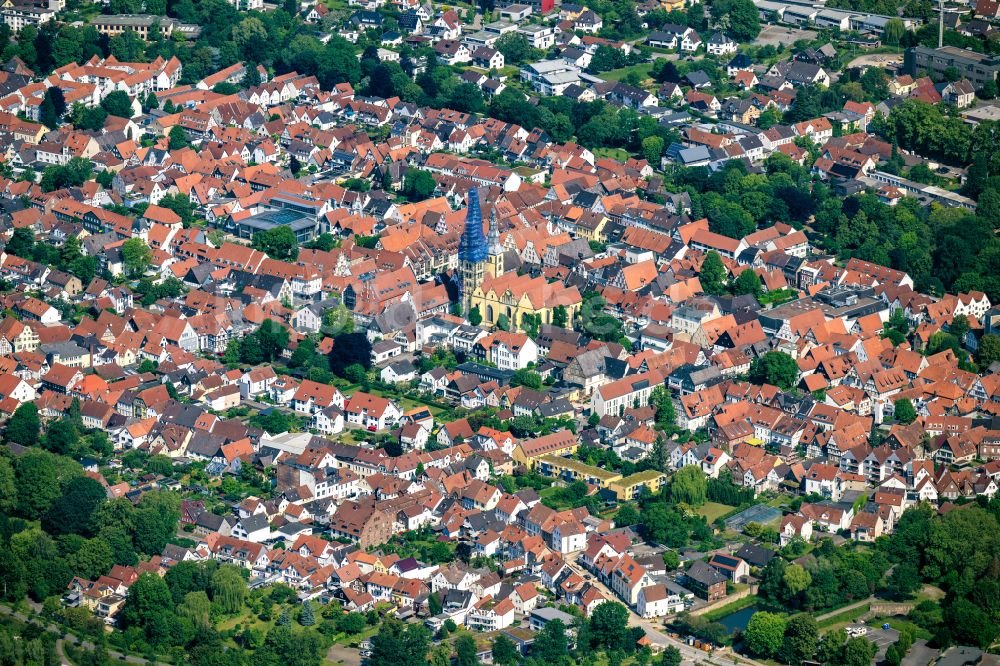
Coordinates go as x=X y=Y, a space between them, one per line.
x=740 y=16
x=796 y=579
x=475 y=317
x=178 y=138
x=671 y=656
x=8 y=487
x=989 y=350
x=272 y=339
x=279 y=243
x=418 y=185
x=560 y=316
x=504 y=651
x=24 y=426
x=196 y=607
x=652 y=149
x=551 y=644
x=894 y=30
x=904 y=411
x=515 y=48
x=858 y=651
x=118 y=103
x=397 y=644
x=62 y=437
x=307 y=617
x=37 y=481
x=21 y=243
x=465 y=651
x=148 y=599
x=713 y=274
x=50 y=111
x=136 y=256
x=799 y=643
x=525 y=377
x=229 y=589
x=689 y=485
x=764 y=634
x=155 y=521
x=904 y=580
x=72 y=513
x=748 y=282
x=609 y=626
x=627 y=515
x=777 y=368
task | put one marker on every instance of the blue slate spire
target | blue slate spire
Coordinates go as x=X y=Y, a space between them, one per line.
x=473 y=247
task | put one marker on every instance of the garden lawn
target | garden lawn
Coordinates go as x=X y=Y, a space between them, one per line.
x=619 y=154
x=643 y=68
x=712 y=511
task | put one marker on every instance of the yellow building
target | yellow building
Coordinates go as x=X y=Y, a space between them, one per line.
x=570 y=470
x=514 y=296
x=648 y=481
x=530 y=451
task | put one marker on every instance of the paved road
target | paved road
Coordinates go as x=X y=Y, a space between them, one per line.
x=64 y=637
x=844 y=609
x=920 y=654
x=654 y=629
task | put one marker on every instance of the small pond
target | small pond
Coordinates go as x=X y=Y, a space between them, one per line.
x=737 y=620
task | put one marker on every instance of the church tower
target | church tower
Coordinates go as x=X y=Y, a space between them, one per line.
x=494 y=258
x=472 y=252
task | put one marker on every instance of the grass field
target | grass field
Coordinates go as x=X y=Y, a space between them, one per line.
x=619 y=154
x=713 y=511
x=643 y=68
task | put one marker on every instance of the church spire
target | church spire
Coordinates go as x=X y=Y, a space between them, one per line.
x=473 y=246
x=494 y=234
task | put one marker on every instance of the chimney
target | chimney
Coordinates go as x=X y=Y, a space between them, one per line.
x=940 y=23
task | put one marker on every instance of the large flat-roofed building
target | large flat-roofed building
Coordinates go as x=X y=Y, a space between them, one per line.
x=975 y=67
x=304 y=226
x=142 y=25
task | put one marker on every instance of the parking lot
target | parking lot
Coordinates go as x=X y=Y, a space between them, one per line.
x=776 y=35
x=882 y=638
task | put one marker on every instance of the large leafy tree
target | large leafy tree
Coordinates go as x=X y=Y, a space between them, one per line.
x=799 y=642
x=397 y=644
x=279 y=243
x=148 y=599
x=136 y=256
x=764 y=634
x=229 y=589
x=37 y=482
x=689 y=485
x=118 y=103
x=418 y=185
x=777 y=368
x=73 y=512
x=713 y=274
x=24 y=426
